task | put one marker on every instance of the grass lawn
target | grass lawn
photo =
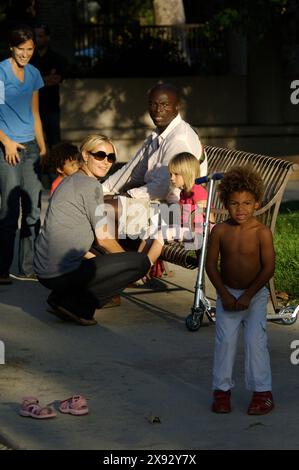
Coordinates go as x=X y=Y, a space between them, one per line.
x=286 y=241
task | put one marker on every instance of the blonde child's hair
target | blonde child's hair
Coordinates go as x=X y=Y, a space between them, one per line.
x=186 y=165
x=91 y=141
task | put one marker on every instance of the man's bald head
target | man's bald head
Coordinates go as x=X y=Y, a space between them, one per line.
x=168 y=87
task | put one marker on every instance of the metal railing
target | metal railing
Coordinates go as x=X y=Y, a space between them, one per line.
x=187 y=46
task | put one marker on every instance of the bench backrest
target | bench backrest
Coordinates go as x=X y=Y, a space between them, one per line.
x=275 y=173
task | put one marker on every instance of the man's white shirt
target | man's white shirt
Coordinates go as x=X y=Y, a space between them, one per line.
x=147 y=172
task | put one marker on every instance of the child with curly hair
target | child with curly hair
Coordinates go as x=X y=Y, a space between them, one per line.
x=247 y=262
x=65 y=160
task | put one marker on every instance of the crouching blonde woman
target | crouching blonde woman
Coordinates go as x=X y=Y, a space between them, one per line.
x=81 y=282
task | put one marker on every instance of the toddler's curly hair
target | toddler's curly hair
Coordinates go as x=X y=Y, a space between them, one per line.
x=59 y=153
x=238 y=179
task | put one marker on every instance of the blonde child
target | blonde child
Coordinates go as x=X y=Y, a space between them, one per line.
x=184 y=169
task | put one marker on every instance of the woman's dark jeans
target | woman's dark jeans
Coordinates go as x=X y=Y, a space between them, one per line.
x=96 y=281
x=19 y=183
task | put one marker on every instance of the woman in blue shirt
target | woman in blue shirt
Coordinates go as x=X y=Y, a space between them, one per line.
x=21 y=146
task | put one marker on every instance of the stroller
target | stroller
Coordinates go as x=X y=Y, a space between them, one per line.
x=201 y=305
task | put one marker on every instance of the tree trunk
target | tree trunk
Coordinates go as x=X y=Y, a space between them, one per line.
x=170 y=12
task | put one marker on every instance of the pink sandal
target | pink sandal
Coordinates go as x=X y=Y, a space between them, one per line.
x=30 y=408
x=75 y=405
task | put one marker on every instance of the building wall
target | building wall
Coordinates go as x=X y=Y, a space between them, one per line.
x=216 y=106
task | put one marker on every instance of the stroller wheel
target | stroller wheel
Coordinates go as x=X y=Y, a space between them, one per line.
x=292 y=312
x=193 y=324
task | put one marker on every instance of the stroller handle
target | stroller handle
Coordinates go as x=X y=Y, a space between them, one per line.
x=206 y=179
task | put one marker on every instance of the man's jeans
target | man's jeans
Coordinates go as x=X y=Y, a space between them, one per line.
x=20 y=182
x=51 y=126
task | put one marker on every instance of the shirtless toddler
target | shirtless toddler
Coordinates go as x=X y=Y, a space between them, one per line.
x=247 y=262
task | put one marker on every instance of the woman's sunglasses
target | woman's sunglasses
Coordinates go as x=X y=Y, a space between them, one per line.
x=101 y=155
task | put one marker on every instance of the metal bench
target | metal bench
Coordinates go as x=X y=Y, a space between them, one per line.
x=275 y=173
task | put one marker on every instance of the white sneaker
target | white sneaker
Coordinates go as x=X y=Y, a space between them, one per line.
x=25 y=277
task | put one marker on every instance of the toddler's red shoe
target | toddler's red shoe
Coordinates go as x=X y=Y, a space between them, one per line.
x=221 y=403
x=261 y=403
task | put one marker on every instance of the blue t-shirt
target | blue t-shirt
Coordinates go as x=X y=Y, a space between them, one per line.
x=16 y=117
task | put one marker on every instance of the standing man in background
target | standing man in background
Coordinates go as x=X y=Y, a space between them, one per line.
x=51 y=66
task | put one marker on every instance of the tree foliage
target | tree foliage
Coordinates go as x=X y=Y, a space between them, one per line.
x=118 y=11
x=254 y=17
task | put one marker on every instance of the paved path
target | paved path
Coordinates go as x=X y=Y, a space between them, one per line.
x=140 y=361
x=292 y=192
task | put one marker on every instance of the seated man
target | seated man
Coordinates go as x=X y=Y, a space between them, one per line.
x=146 y=175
